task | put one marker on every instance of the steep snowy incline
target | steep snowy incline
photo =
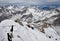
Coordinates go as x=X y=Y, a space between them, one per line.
x=21 y=33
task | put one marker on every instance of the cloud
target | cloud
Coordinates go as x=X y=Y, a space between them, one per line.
x=52 y=0
x=36 y=2
x=24 y=1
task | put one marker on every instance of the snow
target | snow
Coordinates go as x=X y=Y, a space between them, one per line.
x=24 y=33
x=57 y=28
x=10 y=7
x=51 y=32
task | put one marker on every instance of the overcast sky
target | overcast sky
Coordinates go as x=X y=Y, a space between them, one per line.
x=30 y=1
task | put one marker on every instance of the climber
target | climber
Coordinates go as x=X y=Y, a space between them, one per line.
x=10 y=34
x=30 y=27
x=11 y=28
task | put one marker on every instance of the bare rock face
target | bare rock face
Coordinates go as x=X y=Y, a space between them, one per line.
x=57 y=22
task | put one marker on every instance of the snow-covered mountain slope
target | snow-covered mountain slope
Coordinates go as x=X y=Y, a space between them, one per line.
x=9 y=11
x=24 y=33
x=28 y=24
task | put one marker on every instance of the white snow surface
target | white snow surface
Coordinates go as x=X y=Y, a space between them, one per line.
x=25 y=33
